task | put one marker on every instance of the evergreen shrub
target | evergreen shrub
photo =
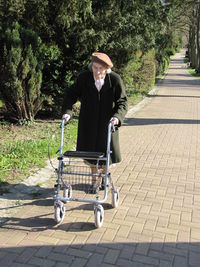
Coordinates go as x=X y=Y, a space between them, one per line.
x=140 y=73
x=20 y=72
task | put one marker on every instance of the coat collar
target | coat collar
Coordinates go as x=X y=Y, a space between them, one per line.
x=107 y=82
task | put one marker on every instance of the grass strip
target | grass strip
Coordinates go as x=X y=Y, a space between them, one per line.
x=18 y=159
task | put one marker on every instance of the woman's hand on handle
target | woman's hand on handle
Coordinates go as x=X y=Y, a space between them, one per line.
x=66 y=117
x=114 y=120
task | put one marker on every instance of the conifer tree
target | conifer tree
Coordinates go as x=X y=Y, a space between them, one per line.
x=20 y=72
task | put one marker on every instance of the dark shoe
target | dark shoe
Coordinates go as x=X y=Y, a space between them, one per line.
x=94 y=188
x=102 y=187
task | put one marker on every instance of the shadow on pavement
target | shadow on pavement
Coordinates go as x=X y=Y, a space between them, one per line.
x=154 y=121
x=175 y=68
x=42 y=221
x=45 y=222
x=24 y=192
x=131 y=250
x=176 y=61
x=124 y=254
x=182 y=83
x=40 y=202
x=175 y=95
x=177 y=74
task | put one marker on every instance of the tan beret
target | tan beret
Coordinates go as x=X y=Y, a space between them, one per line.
x=102 y=58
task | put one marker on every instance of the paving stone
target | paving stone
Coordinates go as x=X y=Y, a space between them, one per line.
x=27 y=254
x=180 y=261
x=62 y=264
x=111 y=256
x=194 y=259
x=58 y=257
x=79 y=262
x=8 y=259
x=95 y=260
x=43 y=252
x=127 y=252
x=128 y=263
x=146 y=260
x=78 y=253
x=15 y=264
x=41 y=262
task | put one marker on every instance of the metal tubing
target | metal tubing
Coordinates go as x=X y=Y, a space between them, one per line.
x=107 y=158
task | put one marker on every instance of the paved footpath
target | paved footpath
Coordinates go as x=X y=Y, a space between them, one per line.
x=158 y=220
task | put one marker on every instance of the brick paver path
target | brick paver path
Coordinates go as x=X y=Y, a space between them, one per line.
x=158 y=219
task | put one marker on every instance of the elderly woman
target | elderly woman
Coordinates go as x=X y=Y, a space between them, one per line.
x=103 y=98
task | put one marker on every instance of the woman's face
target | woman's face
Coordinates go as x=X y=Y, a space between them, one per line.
x=99 y=71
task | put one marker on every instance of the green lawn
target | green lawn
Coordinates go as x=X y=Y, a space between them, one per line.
x=23 y=149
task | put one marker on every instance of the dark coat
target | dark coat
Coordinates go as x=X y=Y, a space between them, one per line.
x=97 y=108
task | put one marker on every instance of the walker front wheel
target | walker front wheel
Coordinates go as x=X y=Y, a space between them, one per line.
x=98 y=216
x=59 y=211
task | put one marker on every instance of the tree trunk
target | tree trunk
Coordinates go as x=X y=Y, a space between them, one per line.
x=193 y=44
x=192 y=47
x=198 y=36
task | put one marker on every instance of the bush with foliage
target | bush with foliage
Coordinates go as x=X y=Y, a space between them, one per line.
x=140 y=73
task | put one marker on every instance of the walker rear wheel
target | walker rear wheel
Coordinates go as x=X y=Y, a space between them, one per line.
x=115 y=198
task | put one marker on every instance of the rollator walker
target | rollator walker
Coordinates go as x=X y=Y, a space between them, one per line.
x=75 y=175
